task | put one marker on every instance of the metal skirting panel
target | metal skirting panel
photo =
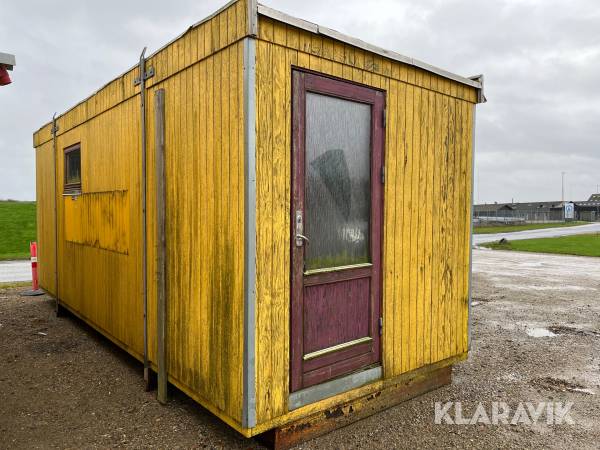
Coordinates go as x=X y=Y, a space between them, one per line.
x=249 y=388
x=330 y=388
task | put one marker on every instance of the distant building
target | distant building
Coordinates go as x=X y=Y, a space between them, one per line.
x=491 y=209
x=539 y=211
x=536 y=211
x=588 y=210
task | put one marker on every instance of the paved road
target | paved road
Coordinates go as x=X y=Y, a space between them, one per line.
x=528 y=271
x=21 y=270
x=542 y=233
x=15 y=271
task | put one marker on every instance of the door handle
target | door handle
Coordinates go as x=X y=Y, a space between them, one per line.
x=299 y=230
x=300 y=238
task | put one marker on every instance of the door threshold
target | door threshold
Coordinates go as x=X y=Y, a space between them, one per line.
x=328 y=389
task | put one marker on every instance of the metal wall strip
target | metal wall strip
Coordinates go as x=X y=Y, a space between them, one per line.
x=336 y=348
x=249 y=388
x=252 y=18
x=142 y=69
x=471 y=233
x=55 y=207
x=480 y=99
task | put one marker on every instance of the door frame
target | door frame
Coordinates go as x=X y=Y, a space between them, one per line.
x=309 y=81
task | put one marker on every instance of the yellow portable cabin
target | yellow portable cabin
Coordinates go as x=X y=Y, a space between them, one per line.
x=273 y=216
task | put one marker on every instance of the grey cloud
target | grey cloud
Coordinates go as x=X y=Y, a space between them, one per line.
x=541 y=60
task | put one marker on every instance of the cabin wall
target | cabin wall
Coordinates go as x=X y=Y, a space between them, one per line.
x=204 y=166
x=426 y=213
x=100 y=231
x=44 y=181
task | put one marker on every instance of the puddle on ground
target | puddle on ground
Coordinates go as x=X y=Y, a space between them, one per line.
x=583 y=391
x=521 y=287
x=539 y=332
x=558 y=385
x=562 y=329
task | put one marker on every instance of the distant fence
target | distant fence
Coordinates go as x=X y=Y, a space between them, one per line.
x=533 y=216
x=521 y=216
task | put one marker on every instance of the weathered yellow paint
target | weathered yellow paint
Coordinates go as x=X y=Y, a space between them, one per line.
x=427 y=158
x=204 y=172
x=99 y=219
x=100 y=276
x=44 y=181
x=426 y=212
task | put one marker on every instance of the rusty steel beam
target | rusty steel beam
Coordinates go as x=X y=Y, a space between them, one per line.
x=340 y=416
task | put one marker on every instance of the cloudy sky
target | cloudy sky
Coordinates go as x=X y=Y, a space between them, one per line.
x=541 y=60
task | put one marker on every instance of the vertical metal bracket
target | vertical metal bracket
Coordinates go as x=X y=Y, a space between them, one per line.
x=142 y=70
x=55 y=207
x=54 y=128
x=147 y=74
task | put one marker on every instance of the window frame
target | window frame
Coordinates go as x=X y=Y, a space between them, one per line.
x=71 y=188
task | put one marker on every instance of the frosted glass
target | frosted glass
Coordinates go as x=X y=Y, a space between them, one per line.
x=337 y=183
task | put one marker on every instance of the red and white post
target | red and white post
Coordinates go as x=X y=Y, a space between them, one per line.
x=34 y=273
x=35 y=285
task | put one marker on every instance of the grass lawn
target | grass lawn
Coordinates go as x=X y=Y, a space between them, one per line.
x=527 y=226
x=580 y=244
x=17 y=228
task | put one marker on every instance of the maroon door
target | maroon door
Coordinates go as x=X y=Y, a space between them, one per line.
x=336 y=228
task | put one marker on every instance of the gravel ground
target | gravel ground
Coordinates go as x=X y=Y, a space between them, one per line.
x=64 y=386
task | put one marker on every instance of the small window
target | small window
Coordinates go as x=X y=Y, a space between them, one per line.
x=73 y=169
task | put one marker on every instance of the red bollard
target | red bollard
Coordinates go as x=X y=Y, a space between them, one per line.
x=4 y=78
x=34 y=275
x=35 y=285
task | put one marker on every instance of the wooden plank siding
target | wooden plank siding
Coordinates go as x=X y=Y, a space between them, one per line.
x=99 y=231
x=205 y=258
x=100 y=264
x=44 y=181
x=426 y=213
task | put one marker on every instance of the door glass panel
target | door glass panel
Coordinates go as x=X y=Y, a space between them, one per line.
x=337 y=191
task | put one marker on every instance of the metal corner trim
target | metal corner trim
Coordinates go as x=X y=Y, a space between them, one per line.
x=252 y=18
x=480 y=91
x=469 y=298
x=249 y=360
